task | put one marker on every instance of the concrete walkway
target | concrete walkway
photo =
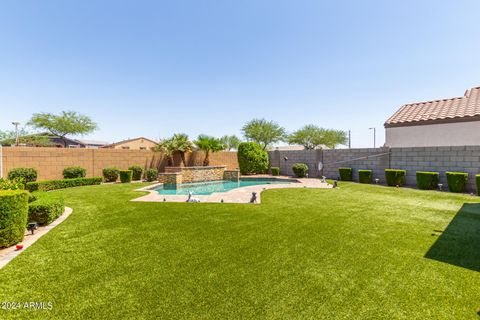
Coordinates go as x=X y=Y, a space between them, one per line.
x=8 y=254
x=239 y=195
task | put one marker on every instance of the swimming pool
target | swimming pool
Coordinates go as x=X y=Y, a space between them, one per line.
x=206 y=188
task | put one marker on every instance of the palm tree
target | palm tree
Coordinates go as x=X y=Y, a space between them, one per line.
x=209 y=144
x=168 y=148
x=230 y=142
x=182 y=145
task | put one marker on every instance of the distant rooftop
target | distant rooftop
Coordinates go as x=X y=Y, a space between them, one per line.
x=466 y=108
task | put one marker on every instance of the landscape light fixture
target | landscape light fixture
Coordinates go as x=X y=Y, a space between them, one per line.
x=16 y=124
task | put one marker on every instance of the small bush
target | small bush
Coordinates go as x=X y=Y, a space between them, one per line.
x=427 y=180
x=48 y=185
x=457 y=181
x=395 y=177
x=74 y=172
x=477 y=181
x=110 y=174
x=300 y=169
x=31 y=197
x=45 y=211
x=275 y=171
x=27 y=174
x=365 y=176
x=136 y=172
x=346 y=174
x=16 y=184
x=251 y=158
x=13 y=216
x=126 y=176
x=151 y=174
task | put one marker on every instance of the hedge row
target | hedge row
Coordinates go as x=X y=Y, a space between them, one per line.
x=62 y=184
x=45 y=211
x=13 y=216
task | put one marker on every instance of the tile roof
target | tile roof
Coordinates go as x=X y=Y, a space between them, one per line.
x=437 y=111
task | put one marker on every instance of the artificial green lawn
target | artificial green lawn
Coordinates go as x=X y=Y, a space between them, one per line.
x=359 y=251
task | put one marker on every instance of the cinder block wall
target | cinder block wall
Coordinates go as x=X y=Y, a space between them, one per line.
x=285 y=160
x=50 y=162
x=369 y=158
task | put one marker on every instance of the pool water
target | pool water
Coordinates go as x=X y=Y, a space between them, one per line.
x=206 y=188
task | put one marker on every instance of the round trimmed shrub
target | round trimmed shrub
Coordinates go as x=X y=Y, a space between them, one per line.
x=151 y=174
x=74 y=172
x=300 y=169
x=275 y=171
x=27 y=174
x=45 y=211
x=251 y=158
x=110 y=174
x=126 y=176
x=457 y=181
x=395 y=177
x=13 y=216
x=427 y=180
x=137 y=172
x=346 y=174
x=365 y=176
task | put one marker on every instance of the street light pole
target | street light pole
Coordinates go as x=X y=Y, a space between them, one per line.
x=16 y=124
x=374 y=137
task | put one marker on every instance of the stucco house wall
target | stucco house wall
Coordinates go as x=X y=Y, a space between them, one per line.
x=434 y=135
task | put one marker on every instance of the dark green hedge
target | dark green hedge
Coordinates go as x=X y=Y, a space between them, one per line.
x=110 y=174
x=346 y=174
x=300 y=169
x=27 y=174
x=45 y=211
x=275 y=171
x=137 y=172
x=126 y=176
x=427 y=180
x=151 y=174
x=365 y=176
x=62 y=184
x=477 y=181
x=457 y=181
x=13 y=216
x=74 y=172
x=251 y=158
x=395 y=177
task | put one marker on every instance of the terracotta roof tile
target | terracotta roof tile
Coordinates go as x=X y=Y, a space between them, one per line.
x=454 y=108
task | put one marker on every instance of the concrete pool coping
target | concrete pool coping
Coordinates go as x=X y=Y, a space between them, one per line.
x=238 y=195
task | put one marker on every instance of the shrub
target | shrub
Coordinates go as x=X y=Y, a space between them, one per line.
x=365 y=176
x=27 y=174
x=48 y=185
x=16 y=184
x=427 y=180
x=275 y=171
x=395 y=177
x=151 y=174
x=477 y=181
x=13 y=216
x=300 y=169
x=346 y=174
x=45 y=211
x=74 y=172
x=136 y=172
x=457 y=181
x=31 y=197
x=251 y=158
x=110 y=174
x=126 y=176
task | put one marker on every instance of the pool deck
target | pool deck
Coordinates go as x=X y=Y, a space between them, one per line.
x=239 y=195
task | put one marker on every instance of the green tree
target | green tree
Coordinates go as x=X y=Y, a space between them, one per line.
x=209 y=144
x=168 y=148
x=63 y=124
x=334 y=138
x=309 y=136
x=181 y=144
x=263 y=132
x=231 y=142
x=24 y=138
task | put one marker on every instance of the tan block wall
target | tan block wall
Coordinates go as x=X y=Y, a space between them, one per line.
x=50 y=162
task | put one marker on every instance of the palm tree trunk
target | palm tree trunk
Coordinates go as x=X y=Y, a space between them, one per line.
x=206 y=162
x=182 y=155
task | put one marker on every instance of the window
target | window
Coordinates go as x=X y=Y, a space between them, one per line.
x=143 y=148
x=125 y=148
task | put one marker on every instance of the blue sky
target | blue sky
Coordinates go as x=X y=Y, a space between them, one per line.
x=152 y=68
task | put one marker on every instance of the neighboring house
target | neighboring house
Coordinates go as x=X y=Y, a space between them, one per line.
x=45 y=139
x=140 y=143
x=447 y=122
x=91 y=144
